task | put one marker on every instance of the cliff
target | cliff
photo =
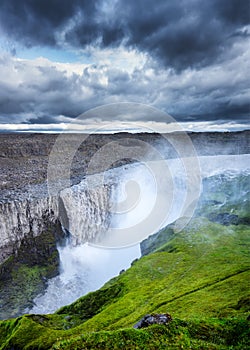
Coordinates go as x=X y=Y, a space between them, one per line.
x=30 y=231
x=24 y=219
x=26 y=207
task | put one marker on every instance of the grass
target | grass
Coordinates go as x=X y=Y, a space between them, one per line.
x=200 y=276
x=178 y=335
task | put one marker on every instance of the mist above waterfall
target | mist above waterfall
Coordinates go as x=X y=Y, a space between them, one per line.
x=129 y=201
x=128 y=197
x=84 y=268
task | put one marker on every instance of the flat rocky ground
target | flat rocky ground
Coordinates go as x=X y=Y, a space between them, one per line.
x=24 y=157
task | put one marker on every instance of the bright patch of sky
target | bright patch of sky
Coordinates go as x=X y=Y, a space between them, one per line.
x=55 y=55
x=52 y=54
x=132 y=127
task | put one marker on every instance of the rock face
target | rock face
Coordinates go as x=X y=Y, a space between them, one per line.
x=25 y=274
x=149 y=320
x=21 y=220
x=82 y=211
x=225 y=219
x=30 y=230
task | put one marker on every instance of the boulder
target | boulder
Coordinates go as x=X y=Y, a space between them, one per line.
x=224 y=219
x=149 y=320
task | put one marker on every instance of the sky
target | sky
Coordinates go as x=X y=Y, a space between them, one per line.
x=187 y=58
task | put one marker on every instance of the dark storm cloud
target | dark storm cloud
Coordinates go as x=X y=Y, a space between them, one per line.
x=210 y=37
x=43 y=94
x=37 y=22
x=43 y=120
x=232 y=109
x=185 y=33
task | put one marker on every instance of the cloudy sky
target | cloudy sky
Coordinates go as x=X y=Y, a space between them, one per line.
x=60 y=58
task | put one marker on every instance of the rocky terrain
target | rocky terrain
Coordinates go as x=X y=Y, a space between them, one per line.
x=24 y=157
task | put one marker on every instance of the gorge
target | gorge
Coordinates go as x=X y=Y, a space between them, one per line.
x=44 y=238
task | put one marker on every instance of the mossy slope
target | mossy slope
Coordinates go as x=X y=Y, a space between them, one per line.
x=25 y=274
x=199 y=275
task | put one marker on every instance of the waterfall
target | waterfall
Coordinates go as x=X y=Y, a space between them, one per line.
x=101 y=208
x=84 y=211
x=95 y=211
x=85 y=267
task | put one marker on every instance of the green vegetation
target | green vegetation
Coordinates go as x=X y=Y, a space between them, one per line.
x=200 y=276
x=225 y=195
x=24 y=275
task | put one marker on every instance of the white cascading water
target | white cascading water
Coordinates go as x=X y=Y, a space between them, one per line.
x=87 y=267
x=85 y=210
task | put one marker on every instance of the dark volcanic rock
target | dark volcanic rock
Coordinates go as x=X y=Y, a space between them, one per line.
x=227 y=219
x=224 y=219
x=149 y=320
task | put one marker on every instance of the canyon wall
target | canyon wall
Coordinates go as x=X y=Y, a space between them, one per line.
x=25 y=211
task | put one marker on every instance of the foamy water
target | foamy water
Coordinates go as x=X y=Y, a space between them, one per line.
x=86 y=267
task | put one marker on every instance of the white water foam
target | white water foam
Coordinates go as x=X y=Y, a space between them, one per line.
x=86 y=268
x=83 y=269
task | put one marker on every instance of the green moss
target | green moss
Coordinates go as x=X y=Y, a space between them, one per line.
x=199 y=275
x=178 y=335
x=155 y=241
x=25 y=274
x=90 y=305
x=212 y=334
